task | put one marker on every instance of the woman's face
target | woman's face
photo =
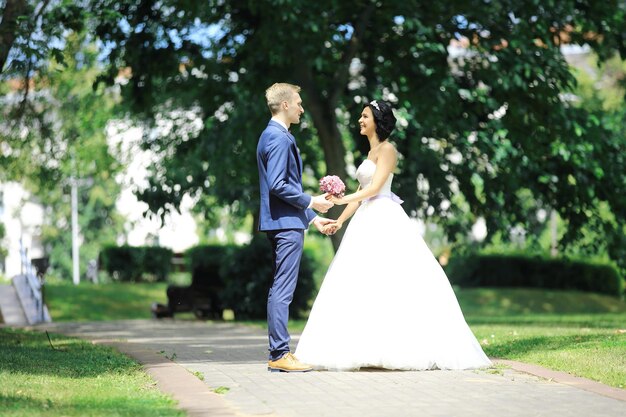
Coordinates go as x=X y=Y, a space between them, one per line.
x=366 y=122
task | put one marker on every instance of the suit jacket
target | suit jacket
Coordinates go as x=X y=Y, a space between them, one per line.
x=283 y=204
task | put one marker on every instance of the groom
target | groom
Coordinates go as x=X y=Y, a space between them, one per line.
x=285 y=214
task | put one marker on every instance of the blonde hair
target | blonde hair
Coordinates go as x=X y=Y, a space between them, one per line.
x=278 y=93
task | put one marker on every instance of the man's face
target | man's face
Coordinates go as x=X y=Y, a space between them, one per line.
x=294 y=109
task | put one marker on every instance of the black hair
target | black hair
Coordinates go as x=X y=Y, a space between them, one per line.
x=383 y=117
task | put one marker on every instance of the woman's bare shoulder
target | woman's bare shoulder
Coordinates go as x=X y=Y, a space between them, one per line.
x=388 y=150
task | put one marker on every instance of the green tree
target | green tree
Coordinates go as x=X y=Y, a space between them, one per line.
x=602 y=90
x=31 y=31
x=63 y=137
x=475 y=127
x=3 y=250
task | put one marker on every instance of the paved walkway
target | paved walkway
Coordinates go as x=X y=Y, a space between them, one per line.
x=231 y=359
x=12 y=312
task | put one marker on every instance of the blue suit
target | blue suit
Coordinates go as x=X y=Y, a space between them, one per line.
x=284 y=216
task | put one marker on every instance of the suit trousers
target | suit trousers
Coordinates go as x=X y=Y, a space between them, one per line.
x=287 y=248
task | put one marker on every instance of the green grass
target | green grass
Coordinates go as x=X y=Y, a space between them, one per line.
x=492 y=302
x=595 y=353
x=73 y=378
x=580 y=333
x=116 y=301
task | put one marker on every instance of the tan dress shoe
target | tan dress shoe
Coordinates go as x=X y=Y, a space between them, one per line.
x=288 y=363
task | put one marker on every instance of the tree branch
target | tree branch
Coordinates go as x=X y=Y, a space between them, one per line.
x=8 y=28
x=341 y=76
x=44 y=5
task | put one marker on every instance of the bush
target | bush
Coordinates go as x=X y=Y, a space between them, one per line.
x=507 y=270
x=157 y=262
x=204 y=263
x=248 y=275
x=136 y=263
x=205 y=294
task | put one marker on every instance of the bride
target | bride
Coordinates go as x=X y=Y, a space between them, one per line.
x=385 y=301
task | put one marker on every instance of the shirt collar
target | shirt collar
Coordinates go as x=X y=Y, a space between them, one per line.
x=280 y=122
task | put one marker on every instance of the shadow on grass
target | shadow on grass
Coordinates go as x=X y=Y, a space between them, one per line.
x=521 y=301
x=31 y=353
x=520 y=347
x=594 y=321
x=122 y=406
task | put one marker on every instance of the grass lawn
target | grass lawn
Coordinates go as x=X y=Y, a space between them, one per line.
x=75 y=378
x=592 y=352
x=580 y=333
x=88 y=302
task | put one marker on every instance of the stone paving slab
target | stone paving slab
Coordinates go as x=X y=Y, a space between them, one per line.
x=233 y=357
x=10 y=306
x=192 y=395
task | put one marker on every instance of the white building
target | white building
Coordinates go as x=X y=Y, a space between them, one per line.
x=22 y=218
x=179 y=229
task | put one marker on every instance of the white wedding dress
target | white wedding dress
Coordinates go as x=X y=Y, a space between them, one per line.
x=385 y=301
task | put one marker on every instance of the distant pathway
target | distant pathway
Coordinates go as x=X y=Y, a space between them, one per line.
x=233 y=357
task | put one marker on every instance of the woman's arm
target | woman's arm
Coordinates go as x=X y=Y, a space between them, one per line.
x=385 y=165
x=345 y=215
x=348 y=212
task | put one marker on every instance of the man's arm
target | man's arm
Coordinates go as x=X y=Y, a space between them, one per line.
x=277 y=161
x=310 y=214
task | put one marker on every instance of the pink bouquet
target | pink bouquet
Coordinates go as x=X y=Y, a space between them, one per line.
x=333 y=185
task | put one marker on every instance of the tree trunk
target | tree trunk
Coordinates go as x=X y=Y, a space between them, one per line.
x=325 y=121
x=322 y=109
x=8 y=28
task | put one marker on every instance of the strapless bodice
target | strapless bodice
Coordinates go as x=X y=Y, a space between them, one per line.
x=365 y=174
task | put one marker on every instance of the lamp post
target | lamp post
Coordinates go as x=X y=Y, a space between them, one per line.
x=75 y=249
x=74 y=183
x=554 y=235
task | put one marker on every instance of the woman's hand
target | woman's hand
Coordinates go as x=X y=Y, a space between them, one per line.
x=339 y=201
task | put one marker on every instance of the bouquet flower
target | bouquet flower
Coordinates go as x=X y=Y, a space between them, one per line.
x=333 y=185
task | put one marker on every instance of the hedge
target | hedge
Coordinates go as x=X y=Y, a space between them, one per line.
x=204 y=263
x=516 y=270
x=136 y=263
x=240 y=276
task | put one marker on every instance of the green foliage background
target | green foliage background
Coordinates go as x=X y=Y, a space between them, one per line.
x=501 y=131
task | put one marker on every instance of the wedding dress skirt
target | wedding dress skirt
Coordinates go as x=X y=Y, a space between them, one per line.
x=385 y=301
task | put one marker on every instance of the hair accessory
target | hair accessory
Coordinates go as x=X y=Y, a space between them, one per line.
x=375 y=104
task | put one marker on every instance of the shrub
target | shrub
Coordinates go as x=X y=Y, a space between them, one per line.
x=247 y=275
x=136 y=263
x=157 y=262
x=204 y=263
x=205 y=294
x=513 y=270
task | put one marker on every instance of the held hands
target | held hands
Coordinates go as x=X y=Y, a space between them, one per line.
x=331 y=228
x=322 y=223
x=321 y=203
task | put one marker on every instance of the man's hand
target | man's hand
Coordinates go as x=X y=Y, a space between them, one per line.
x=321 y=223
x=320 y=203
x=331 y=228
